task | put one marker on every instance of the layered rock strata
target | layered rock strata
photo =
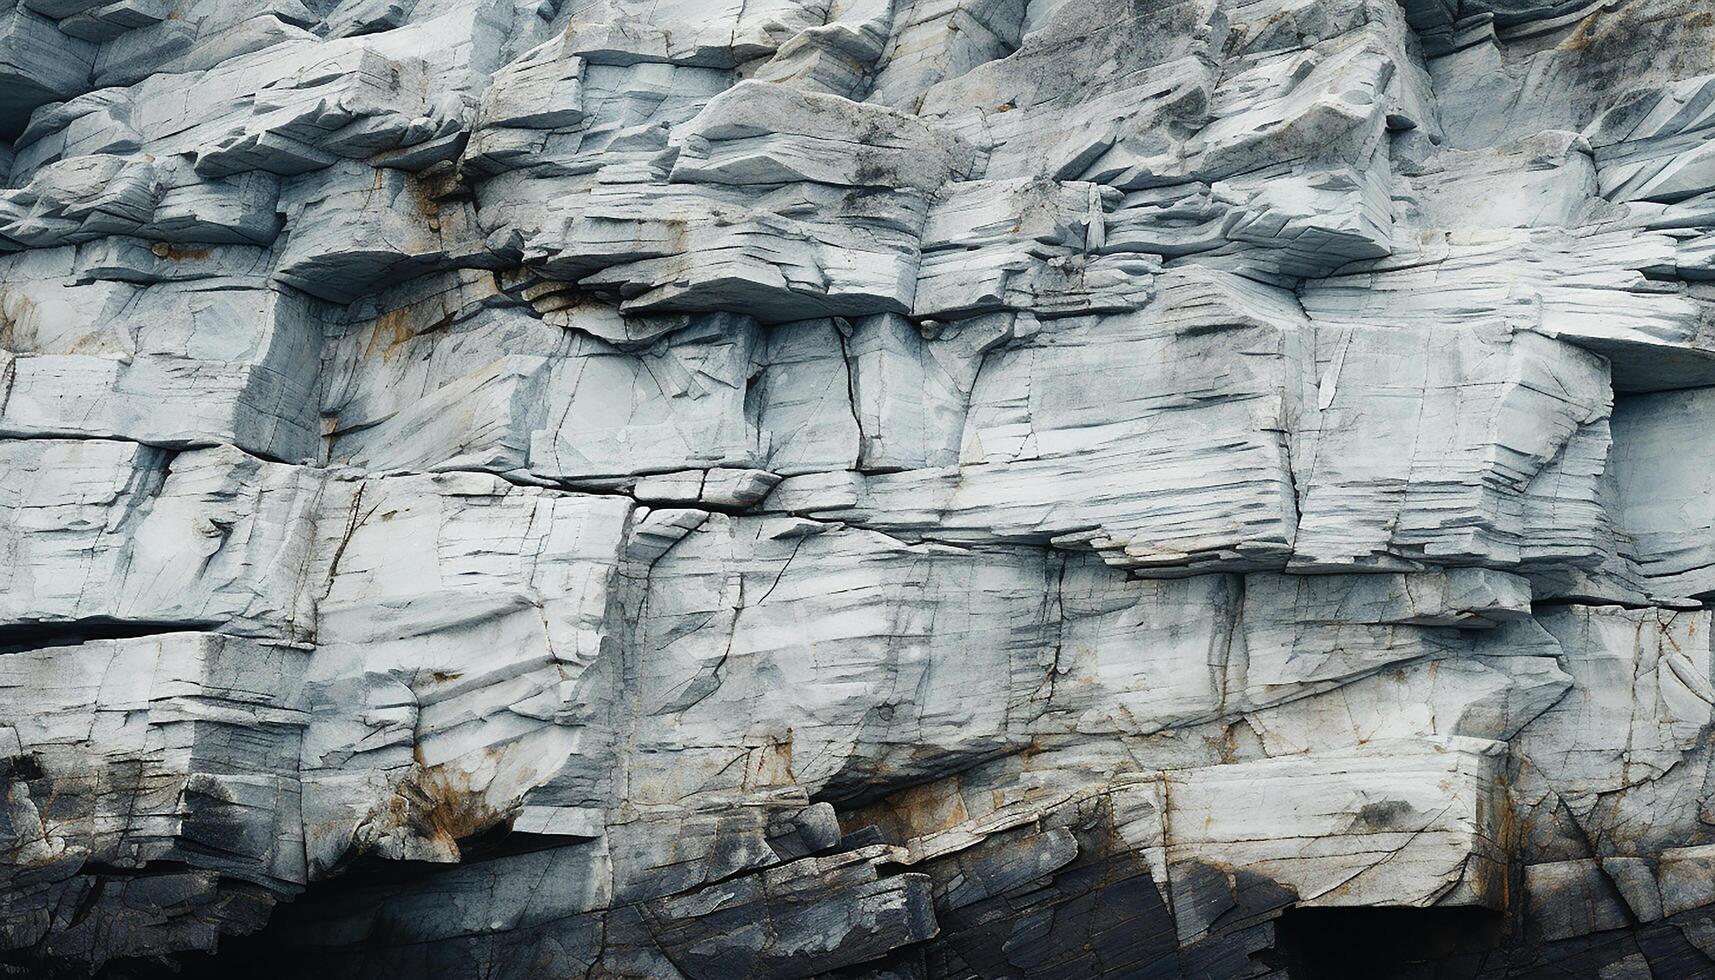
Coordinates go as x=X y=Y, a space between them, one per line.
x=904 y=489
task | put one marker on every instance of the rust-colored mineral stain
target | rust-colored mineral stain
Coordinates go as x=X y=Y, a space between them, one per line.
x=422 y=196
x=392 y=331
x=1584 y=35
x=175 y=253
x=916 y=811
x=17 y=321
x=442 y=806
x=770 y=765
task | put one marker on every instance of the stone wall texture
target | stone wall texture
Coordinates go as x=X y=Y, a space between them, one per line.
x=892 y=489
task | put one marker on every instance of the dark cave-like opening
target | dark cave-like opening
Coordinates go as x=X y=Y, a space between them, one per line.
x=325 y=907
x=20 y=637
x=1387 y=943
x=271 y=952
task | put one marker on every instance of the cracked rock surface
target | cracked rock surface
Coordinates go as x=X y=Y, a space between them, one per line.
x=857 y=489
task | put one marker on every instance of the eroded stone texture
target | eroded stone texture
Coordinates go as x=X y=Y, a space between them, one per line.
x=857 y=488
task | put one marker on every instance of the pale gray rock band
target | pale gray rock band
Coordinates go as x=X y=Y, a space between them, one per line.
x=857 y=489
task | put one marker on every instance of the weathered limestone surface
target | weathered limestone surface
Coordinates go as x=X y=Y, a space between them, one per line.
x=905 y=489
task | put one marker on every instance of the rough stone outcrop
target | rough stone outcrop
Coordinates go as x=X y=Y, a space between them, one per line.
x=908 y=489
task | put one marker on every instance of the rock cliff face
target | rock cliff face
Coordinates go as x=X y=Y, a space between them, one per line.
x=895 y=489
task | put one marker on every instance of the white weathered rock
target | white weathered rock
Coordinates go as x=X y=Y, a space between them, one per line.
x=462 y=380
x=1643 y=689
x=818 y=623
x=1663 y=493
x=1414 y=824
x=830 y=488
x=100 y=532
x=440 y=698
x=1157 y=438
x=201 y=358
x=1611 y=293
x=1428 y=445
x=1547 y=179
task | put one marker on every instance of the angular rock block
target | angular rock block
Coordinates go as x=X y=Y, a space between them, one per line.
x=1643 y=682
x=1603 y=292
x=1141 y=657
x=438 y=699
x=799 y=638
x=125 y=756
x=124 y=536
x=1413 y=825
x=490 y=387
x=1424 y=446
x=1649 y=147
x=357 y=227
x=1662 y=495
x=1139 y=405
x=39 y=65
x=198 y=359
x=87 y=197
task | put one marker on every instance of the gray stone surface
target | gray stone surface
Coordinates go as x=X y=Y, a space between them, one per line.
x=899 y=489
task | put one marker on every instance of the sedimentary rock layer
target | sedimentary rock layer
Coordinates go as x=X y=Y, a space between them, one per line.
x=907 y=489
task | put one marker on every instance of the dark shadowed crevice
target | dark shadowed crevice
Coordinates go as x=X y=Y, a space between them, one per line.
x=34 y=636
x=336 y=905
x=1387 y=943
